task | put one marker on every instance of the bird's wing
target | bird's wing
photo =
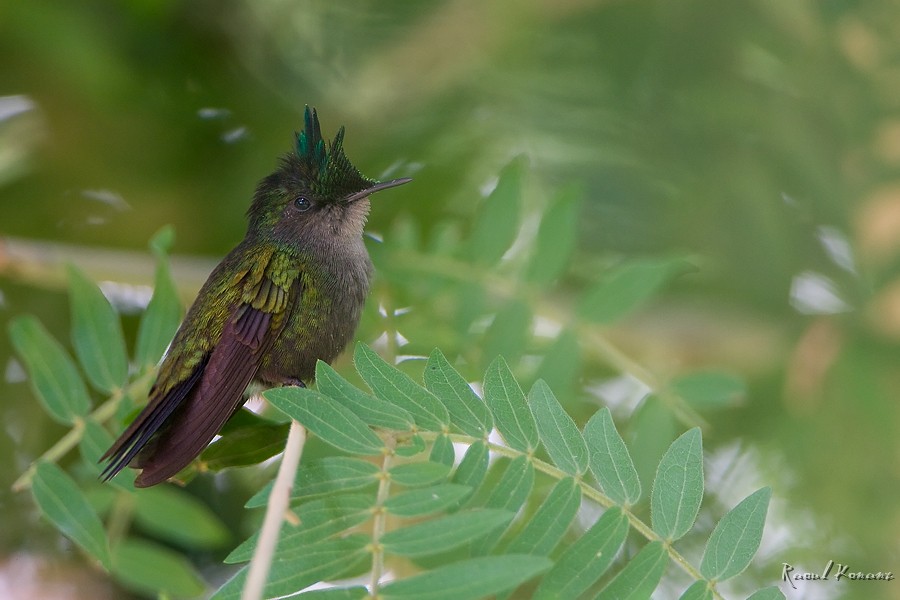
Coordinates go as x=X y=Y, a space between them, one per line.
x=179 y=421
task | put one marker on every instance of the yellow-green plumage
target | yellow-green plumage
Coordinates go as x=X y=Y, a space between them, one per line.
x=289 y=294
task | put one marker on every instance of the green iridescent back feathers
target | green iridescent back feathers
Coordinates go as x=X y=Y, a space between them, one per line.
x=328 y=170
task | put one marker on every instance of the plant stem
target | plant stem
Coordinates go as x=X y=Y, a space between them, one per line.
x=379 y=522
x=276 y=507
x=71 y=439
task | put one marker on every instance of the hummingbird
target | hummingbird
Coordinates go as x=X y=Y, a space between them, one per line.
x=289 y=294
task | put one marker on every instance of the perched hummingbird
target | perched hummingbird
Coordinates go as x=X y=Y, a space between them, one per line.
x=289 y=294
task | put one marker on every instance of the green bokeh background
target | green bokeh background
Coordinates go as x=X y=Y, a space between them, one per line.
x=760 y=137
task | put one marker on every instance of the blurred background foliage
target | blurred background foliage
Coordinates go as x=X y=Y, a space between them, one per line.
x=748 y=150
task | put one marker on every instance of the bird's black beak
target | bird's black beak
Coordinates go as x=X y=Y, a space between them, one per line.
x=376 y=188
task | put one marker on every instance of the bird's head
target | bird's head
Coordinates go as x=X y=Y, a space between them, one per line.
x=315 y=191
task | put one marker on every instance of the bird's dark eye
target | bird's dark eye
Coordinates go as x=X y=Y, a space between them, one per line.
x=302 y=203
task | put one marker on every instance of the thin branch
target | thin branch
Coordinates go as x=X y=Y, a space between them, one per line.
x=73 y=437
x=276 y=508
x=379 y=522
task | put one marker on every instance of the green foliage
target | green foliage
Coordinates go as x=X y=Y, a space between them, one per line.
x=334 y=499
x=736 y=537
x=64 y=505
x=678 y=487
x=504 y=397
x=53 y=376
x=150 y=569
x=558 y=432
x=385 y=484
x=163 y=314
x=628 y=286
x=97 y=334
x=611 y=463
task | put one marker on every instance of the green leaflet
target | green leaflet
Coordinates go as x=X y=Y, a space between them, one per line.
x=320 y=519
x=325 y=476
x=96 y=334
x=467 y=411
x=173 y=515
x=309 y=564
x=556 y=237
x=640 y=576
x=424 y=501
x=445 y=533
x=678 y=487
x=512 y=416
x=331 y=421
x=610 y=461
x=163 y=315
x=585 y=561
x=63 y=504
x=736 y=538
x=371 y=410
x=558 y=432
x=150 y=569
x=442 y=451
x=394 y=386
x=547 y=526
x=51 y=371
x=468 y=579
x=627 y=286
x=497 y=222
x=419 y=473
x=699 y=590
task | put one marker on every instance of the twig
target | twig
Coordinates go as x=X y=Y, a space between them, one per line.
x=379 y=522
x=276 y=508
x=73 y=437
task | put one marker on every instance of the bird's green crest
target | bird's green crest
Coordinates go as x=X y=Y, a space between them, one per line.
x=328 y=170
